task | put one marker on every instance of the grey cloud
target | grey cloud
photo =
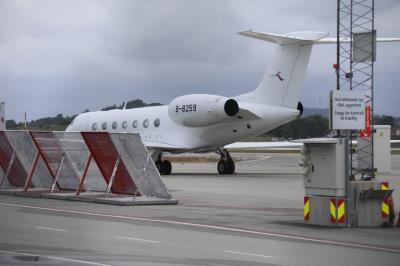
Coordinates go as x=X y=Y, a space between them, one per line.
x=65 y=56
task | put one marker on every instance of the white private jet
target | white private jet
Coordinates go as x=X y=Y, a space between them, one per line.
x=204 y=123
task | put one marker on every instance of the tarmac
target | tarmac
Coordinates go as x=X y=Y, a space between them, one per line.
x=254 y=217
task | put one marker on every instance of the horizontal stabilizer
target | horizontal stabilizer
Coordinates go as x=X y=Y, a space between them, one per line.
x=288 y=38
x=312 y=37
x=346 y=40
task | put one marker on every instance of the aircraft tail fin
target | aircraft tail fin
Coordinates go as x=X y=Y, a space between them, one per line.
x=283 y=81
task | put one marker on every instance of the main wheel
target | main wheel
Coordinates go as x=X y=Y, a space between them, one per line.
x=231 y=167
x=159 y=166
x=226 y=167
x=221 y=167
x=166 y=167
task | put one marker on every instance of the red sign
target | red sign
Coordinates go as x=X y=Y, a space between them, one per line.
x=367 y=131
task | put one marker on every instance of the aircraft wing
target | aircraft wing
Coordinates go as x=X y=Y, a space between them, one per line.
x=275 y=144
x=161 y=145
x=395 y=143
x=263 y=145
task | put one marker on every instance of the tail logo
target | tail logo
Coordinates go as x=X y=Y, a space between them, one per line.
x=278 y=75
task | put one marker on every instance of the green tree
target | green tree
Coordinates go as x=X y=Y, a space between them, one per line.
x=307 y=127
x=385 y=120
x=11 y=124
x=137 y=103
x=107 y=108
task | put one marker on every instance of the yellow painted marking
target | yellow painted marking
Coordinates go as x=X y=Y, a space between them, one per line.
x=333 y=210
x=306 y=208
x=341 y=210
x=385 y=208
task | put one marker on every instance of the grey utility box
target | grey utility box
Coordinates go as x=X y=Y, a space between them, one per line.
x=324 y=166
x=369 y=202
x=382 y=152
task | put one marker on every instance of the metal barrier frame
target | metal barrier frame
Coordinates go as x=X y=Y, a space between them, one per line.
x=103 y=149
x=14 y=165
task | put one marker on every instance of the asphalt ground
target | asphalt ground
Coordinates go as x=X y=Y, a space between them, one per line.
x=254 y=217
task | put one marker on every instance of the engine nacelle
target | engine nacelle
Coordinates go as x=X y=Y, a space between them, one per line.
x=198 y=110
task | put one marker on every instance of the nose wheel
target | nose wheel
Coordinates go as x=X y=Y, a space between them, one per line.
x=226 y=166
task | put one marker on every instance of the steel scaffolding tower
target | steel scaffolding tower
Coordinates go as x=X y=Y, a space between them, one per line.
x=355 y=71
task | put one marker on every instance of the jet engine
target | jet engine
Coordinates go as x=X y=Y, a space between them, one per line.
x=300 y=108
x=198 y=110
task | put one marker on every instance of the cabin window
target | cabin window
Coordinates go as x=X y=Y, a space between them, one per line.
x=104 y=126
x=157 y=122
x=94 y=126
x=146 y=123
x=124 y=124
x=114 y=125
x=135 y=124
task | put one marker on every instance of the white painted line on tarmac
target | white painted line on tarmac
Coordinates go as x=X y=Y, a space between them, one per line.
x=138 y=239
x=215 y=227
x=257 y=160
x=55 y=258
x=51 y=229
x=247 y=254
x=196 y=204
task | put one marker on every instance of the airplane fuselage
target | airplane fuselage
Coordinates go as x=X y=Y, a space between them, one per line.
x=158 y=131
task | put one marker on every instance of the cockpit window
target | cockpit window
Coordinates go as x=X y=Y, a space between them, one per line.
x=104 y=126
x=146 y=123
x=157 y=122
x=114 y=125
x=94 y=126
x=124 y=124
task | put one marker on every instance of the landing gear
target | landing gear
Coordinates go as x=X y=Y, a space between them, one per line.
x=225 y=165
x=163 y=166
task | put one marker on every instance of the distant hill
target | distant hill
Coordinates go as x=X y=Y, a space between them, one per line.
x=137 y=103
x=316 y=111
x=60 y=122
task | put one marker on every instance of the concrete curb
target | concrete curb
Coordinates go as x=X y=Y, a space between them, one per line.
x=92 y=197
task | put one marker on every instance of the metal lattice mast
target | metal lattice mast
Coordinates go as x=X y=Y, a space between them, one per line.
x=355 y=71
x=343 y=46
x=363 y=76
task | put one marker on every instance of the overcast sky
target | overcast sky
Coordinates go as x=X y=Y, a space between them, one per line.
x=66 y=56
